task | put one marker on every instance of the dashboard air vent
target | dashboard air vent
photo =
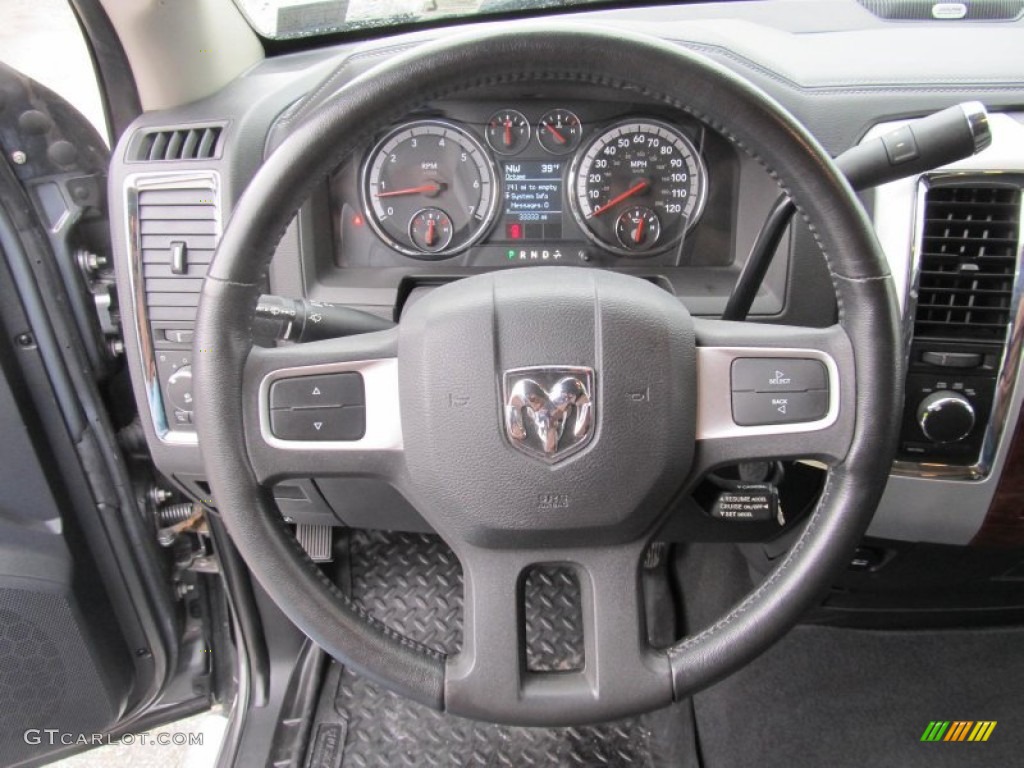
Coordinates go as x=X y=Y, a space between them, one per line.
x=196 y=143
x=968 y=259
x=178 y=235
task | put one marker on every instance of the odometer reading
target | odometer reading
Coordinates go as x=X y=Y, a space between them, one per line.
x=644 y=167
x=429 y=189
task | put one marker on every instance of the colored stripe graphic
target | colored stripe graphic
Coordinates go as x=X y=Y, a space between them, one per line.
x=935 y=730
x=958 y=730
x=982 y=730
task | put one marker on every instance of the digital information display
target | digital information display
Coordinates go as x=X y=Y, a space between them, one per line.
x=533 y=200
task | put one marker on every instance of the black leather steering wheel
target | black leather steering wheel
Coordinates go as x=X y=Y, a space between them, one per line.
x=437 y=388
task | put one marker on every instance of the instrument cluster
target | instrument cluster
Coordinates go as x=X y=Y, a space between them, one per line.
x=533 y=182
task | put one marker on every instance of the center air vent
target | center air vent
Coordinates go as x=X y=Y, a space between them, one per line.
x=968 y=258
x=195 y=143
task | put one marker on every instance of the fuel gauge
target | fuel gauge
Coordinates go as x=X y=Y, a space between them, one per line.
x=430 y=230
x=638 y=228
x=508 y=132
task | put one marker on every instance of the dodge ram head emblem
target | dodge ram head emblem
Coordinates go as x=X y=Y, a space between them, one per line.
x=549 y=411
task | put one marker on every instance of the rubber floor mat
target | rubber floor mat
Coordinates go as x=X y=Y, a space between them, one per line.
x=413 y=583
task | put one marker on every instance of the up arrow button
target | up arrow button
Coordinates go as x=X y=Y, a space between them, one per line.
x=335 y=389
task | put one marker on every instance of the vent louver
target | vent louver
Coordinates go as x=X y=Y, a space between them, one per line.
x=197 y=143
x=169 y=220
x=968 y=258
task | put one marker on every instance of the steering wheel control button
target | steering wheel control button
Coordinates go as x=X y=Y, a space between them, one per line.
x=754 y=409
x=330 y=390
x=344 y=423
x=771 y=374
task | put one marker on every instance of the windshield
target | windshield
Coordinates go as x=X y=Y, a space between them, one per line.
x=280 y=19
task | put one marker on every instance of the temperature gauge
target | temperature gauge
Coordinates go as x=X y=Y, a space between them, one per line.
x=559 y=131
x=638 y=228
x=508 y=132
x=430 y=230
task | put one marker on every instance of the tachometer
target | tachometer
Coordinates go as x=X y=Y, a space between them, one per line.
x=429 y=189
x=638 y=187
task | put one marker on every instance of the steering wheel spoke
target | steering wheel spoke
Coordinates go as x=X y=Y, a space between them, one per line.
x=620 y=674
x=772 y=392
x=330 y=405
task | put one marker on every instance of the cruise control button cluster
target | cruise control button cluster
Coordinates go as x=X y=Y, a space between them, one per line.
x=778 y=390
x=326 y=407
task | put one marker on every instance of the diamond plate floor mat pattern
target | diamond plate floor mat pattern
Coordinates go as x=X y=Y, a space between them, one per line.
x=413 y=583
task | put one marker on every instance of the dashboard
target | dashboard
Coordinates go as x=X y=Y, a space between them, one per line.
x=496 y=184
x=597 y=177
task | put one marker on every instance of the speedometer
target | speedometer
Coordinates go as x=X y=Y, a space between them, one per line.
x=429 y=189
x=638 y=187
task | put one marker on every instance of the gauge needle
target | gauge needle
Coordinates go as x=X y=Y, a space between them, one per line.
x=431 y=224
x=639 y=186
x=638 y=233
x=508 y=133
x=423 y=189
x=555 y=132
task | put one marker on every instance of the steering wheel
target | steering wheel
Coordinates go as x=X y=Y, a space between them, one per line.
x=548 y=348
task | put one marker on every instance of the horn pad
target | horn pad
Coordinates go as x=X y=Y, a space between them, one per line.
x=546 y=403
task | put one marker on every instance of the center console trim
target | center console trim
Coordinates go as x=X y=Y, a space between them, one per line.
x=1009 y=366
x=925 y=503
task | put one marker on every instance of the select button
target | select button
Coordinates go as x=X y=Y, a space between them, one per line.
x=777 y=374
x=752 y=409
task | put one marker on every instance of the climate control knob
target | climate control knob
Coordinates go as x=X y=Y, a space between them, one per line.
x=945 y=417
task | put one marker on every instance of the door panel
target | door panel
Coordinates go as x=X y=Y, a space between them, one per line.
x=88 y=624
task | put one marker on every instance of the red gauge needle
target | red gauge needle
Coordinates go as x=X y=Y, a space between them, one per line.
x=508 y=133
x=638 y=233
x=431 y=224
x=423 y=189
x=555 y=132
x=638 y=187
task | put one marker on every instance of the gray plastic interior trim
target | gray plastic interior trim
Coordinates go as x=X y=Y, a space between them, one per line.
x=922 y=502
x=133 y=185
x=383 y=415
x=714 y=393
x=182 y=51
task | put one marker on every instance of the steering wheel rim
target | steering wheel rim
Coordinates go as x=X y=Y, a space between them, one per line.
x=865 y=343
